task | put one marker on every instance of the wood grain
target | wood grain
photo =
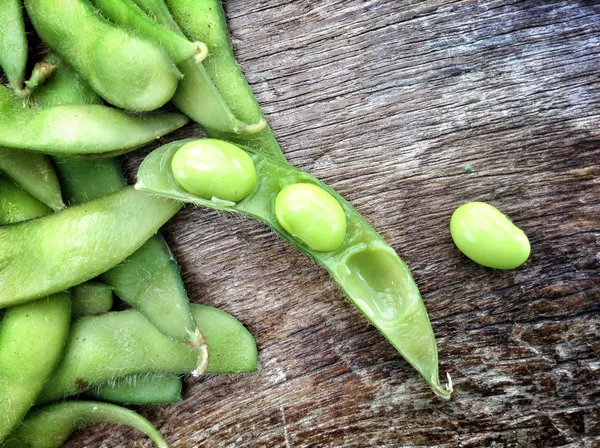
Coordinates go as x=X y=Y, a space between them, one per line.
x=388 y=101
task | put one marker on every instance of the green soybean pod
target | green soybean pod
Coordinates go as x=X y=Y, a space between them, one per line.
x=64 y=86
x=103 y=348
x=128 y=15
x=488 y=237
x=55 y=252
x=34 y=173
x=126 y=69
x=196 y=95
x=32 y=338
x=51 y=426
x=91 y=298
x=79 y=129
x=205 y=21
x=13 y=44
x=368 y=270
x=149 y=279
x=16 y=205
x=140 y=389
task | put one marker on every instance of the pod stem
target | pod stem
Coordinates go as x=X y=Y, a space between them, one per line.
x=239 y=127
x=40 y=74
x=199 y=343
x=444 y=392
x=201 y=52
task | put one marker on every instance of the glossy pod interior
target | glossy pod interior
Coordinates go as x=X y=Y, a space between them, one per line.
x=369 y=271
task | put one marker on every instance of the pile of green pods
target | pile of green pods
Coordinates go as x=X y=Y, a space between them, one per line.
x=74 y=235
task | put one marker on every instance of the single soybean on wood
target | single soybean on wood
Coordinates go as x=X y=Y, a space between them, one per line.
x=34 y=173
x=91 y=298
x=13 y=42
x=103 y=348
x=78 y=129
x=124 y=68
x=127 y=14
x=32 y=338
x=149 y=279
x=50 y=426
x=488 y=237
x=53 y=253
x=368 y=270
x=16 y=205
x=205 y=21
x=140 y=389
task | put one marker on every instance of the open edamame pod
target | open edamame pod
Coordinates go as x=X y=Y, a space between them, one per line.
x=32 y=338
x=16 y=205
x=34 y=173
x=128 y=15
x=149 y=279
x=55 y=252
x=91 y=298
x=140 y=389
x=51 y=426
x=79 y=130
x=103 y=348
x=124 y=68
x=13 y=44
x=368 y=270
x=205 y=21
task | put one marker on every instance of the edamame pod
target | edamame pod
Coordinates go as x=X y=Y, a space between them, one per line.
x=91 y=298
x=32 y=338
x=124 y=68
x=13 y=44
x=79 y=130
x=53 y=253
x=205 y=21
x=16 y=205
x=33 y=173
x=64 y=86
x=51 y=426
x=368 y=270
x=141 y=389
x=103 y=348
x=128 y=15
x=149 y=279
x=196 y=95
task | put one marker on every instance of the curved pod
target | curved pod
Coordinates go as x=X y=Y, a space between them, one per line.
x=368 y=270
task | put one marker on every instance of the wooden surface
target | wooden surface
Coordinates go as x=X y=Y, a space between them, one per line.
x=388 y=101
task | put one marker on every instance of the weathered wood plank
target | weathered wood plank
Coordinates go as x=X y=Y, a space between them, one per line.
x=388 y=101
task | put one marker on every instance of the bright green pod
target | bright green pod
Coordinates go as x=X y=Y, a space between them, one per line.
x=103 y=348
x=149 y=279
x=310 y=214
x=488 y=237
x=16 y=205
x=128 y=15
x=79 y=129
x=64 y=86
x=205 y=21
x=214 y=169
x=32 y=338
x=140 y=389
x=34 y=173
x=13 y=44
x=55 y=252
x=91 y=298
x=365 y=266
x=126 y=69
x=51 y=426
x=196 y=95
